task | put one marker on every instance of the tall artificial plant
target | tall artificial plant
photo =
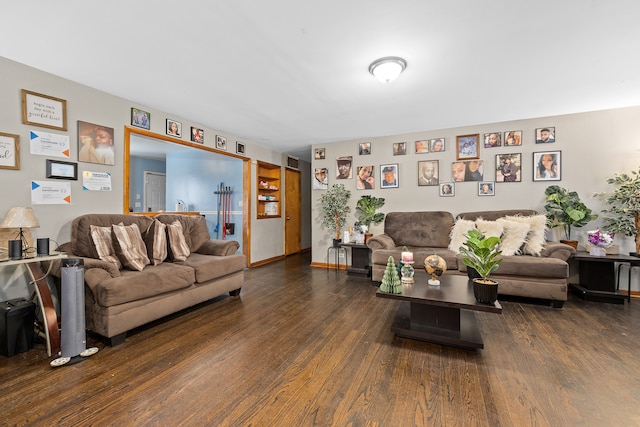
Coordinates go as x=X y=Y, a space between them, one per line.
x=565 y=209
x=334 y=205
x=623 y=206
x=366 y=210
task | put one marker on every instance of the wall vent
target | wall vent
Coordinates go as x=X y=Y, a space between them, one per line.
x=292 y=162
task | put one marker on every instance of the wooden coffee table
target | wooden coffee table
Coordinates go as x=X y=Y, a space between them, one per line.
x=440 y=314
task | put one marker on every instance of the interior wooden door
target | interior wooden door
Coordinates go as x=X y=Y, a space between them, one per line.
x=292 y=223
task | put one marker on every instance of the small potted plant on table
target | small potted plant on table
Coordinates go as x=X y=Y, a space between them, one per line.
x=482 y=254
x=334 y=207
x=565 y=209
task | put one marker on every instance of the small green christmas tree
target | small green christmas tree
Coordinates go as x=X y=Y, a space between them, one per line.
x=390 y=280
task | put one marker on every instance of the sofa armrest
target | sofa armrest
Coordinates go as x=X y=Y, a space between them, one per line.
x=381 y=241
x=558 y=250
x=89 y=263
x=219 y=247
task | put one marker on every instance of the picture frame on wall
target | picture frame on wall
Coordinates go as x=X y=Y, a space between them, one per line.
x=509 y=167
x=547 y=166
x=428 y=173
x=512 y=138
x=364 y=148
x=468 y=147
x=56 y=169
x=43 y=110
x=437 y=145
x=95 y=144
x=422 y=146
x=365 y=179
x=545 y=135
x=468 y=170
x=389 y=176
x=174 y=128
x=221 y=142
x=320 y=179
x=399 y=148
x=447 y=189
x=239 y=148
x=493 y=140
x=319 y=153
x=140 y=118
x=10 y=147
x=486 y=188
x=197 y=135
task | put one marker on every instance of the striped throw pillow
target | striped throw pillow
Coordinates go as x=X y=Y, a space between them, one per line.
x=129 y=246
x=178 y=248
x=156 y=241
x=101 y=237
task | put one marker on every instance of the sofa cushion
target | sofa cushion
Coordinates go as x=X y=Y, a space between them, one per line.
x=129 y=246
x=209 y=267
x=155 y=239
x=458 y=234
x=101 y=237
x=178 y=248
x=528 y=266
x=135 y=285
x=514 y=236
x=427 y=229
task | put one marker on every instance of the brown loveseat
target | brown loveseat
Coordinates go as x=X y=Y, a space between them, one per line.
x=544 y=276
x=117 y=300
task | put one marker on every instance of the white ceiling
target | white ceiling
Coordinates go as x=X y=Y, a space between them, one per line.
x=292 y=73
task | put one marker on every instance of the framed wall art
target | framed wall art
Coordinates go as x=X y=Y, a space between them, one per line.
x=512 y=137
x=422 y=146
x=43 y=110
x=389 y=176
x=447 y=189
x=221 y=143
x=9 y=151
x=364 y=148
x=197 y=135
x=174 y=128
x=547 y=166
x=470 y=170
x=320 y=178
x=545 y=135
x=436 y=145
x=468 y=147
x=399 y=148
x=428 y=172
x=509 y=167
x=95 y=144
x=140 y=119
x=344 y=167
x=57 y=169
x=486 y=188
x=239 y=148
x=492 y=140
x=364 y=178
x=319 y=153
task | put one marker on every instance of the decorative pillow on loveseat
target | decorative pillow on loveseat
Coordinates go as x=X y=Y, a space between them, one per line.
x=155 y=239
x=178 y=247
x=535 y=238
x=129 y=246
x=514 y=236
x=101 y=237
x=459 y=234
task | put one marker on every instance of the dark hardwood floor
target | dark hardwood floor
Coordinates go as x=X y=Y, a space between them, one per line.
x=303 y=346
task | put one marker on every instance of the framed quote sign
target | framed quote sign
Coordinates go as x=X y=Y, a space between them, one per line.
x=43 y=110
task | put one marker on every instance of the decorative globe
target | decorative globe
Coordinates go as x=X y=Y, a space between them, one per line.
x=435 y=266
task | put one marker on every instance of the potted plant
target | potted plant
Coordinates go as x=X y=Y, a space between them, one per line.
x=334 y=205
x=482 y=254
x=624 y=205
x=565 y=209
x=366 y=212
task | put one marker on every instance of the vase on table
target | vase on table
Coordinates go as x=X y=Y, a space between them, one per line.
x=407 y=272
x=597 y=251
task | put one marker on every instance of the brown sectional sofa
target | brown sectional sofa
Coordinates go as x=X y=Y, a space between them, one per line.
x=427 y=233
x=117 y=300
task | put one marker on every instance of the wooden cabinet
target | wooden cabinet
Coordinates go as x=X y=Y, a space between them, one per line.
x=269 y=195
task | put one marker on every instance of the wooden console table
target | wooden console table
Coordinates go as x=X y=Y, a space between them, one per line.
x=43 y=294
x=598 y=277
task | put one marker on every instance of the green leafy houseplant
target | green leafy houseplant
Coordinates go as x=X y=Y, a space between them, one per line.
x=565 y=209
x=366 y=210
x=623 y=204
x=334 y=205
x=481 y=253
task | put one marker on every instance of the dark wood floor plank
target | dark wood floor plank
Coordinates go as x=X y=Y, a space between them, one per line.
x=309 y=347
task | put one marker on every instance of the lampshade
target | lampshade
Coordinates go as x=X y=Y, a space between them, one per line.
x=20 y=218
x=387 y=69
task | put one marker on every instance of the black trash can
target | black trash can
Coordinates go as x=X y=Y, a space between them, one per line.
x=16 y=326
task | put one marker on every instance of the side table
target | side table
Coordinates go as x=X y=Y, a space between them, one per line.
x=43 y=294
x=598 y=277
x=359 y=259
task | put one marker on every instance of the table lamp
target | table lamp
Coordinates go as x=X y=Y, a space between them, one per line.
x=20 y=218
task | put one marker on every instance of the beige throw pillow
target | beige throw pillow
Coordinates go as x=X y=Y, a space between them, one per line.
x=513 y=237
x=458 y=234
x=489 y=228
x=178 y=248
x=129 y=246
x=536 y=237
x=101 y=237
x=155 y=240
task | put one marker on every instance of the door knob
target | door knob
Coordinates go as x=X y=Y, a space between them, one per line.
x=288 y=218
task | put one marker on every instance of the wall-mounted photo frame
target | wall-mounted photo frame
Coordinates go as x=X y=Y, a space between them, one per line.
x=174 y=128
x=57 y=169
x=9 y=151
x=436 y=145
x=422 y=146
x=493 y=140
x=468 y=147
x=389 y=176
x=545 y=135
x=141 y=119
x=364 y=148
x=43 y=110
x=95 y=144
x=509 y=167
x=469 y=170
x=428 y=172
x=447 y=189
x=399 y=148
x=319 y=154
x=344 y=167
x=512 y=138
x=197 y=135
x=221 y=143
x=320 y=178
x=547 y=166
x=486 y=188
x=365 y=179
x=239 y=148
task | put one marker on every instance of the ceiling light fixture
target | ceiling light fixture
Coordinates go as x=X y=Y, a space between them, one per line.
x=387 y=69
